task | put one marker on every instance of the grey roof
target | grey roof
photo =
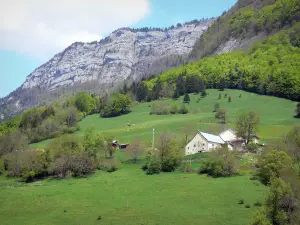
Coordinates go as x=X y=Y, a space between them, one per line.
x=212 y=138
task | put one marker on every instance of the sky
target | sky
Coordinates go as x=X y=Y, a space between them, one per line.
x=32 y=31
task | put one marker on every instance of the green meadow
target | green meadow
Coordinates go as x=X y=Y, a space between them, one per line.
x=276 y=115
x=128 y=196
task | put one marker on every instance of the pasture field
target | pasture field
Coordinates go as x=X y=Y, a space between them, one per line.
x=276 y=114
x=128 y=196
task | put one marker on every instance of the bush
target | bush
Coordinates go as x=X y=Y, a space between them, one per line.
x=108 y=165
x=221 y=163
x=271 y=165
x=257 y=204
x=154 y=166
x=174 y=109
x=71 y=165
x=252 y=147
x=183 y=110
x=247 y=206
x=28 y=164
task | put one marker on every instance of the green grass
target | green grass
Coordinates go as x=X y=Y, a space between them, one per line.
x=128 y=196
x=277 y=117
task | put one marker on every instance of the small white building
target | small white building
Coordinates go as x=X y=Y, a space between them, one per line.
x=203 y=142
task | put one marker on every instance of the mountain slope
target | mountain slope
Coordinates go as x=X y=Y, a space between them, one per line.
x=245 y=23
x=126 y=53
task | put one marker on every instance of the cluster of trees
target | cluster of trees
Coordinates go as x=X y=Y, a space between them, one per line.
x=270 y=67
x=65 y=156
x=118 y=104
x=247 y=19
x=167 y=157
x=280 y=169
x=163 y=108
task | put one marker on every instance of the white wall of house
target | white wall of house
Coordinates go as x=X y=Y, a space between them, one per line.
x=228 y=135
x=200 y=144
x=197 y=144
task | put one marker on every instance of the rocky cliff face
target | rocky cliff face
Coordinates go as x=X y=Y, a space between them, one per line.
x=126 y=53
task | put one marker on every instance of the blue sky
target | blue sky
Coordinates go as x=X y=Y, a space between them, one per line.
x=21 y=53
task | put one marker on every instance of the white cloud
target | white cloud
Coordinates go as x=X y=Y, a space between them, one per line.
x=40 y=28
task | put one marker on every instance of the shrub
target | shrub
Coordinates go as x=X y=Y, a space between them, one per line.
x=174 y=109
x=108 y=165
x=252 y=147
x=221 y=163
x=71 y=165
x=154 y=166
x=257 y=204
x=183 y=109
x=271 y=165
x=247 y=206
x=28 y=164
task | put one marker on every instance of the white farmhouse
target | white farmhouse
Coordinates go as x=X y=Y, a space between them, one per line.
x=203 y=142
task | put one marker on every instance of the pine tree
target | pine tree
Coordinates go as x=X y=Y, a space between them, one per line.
x=186 y=98
x=229 y=99
x=203 y=93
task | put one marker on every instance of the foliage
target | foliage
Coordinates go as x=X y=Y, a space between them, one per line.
x=85 y=103
x=169 y=152
x=186 y=98
x=246 y=125
x=273 y=210
x=154 y=166
x=252 y=147
x=216 y=107
x=71 y=165
x=269 y=67
x=183 y=109
x=13 y=141
x=221 y=114
x=271 y=165
x=221 y=163
x=135 y=149
x=118 y=105
x=163 y=108
x=27 y=164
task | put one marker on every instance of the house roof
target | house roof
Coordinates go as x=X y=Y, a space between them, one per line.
x=212 y=138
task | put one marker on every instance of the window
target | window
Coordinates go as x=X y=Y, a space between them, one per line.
x=194 y=146
x=203 y=144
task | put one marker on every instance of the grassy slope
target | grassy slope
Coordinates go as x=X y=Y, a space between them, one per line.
x=128 y=196
x=276 y=117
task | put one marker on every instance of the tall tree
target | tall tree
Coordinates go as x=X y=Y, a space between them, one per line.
x=247 y=125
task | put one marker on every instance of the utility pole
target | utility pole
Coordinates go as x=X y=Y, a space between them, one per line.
x=153 y=139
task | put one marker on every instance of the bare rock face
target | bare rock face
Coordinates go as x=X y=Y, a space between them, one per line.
x=125 y=53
